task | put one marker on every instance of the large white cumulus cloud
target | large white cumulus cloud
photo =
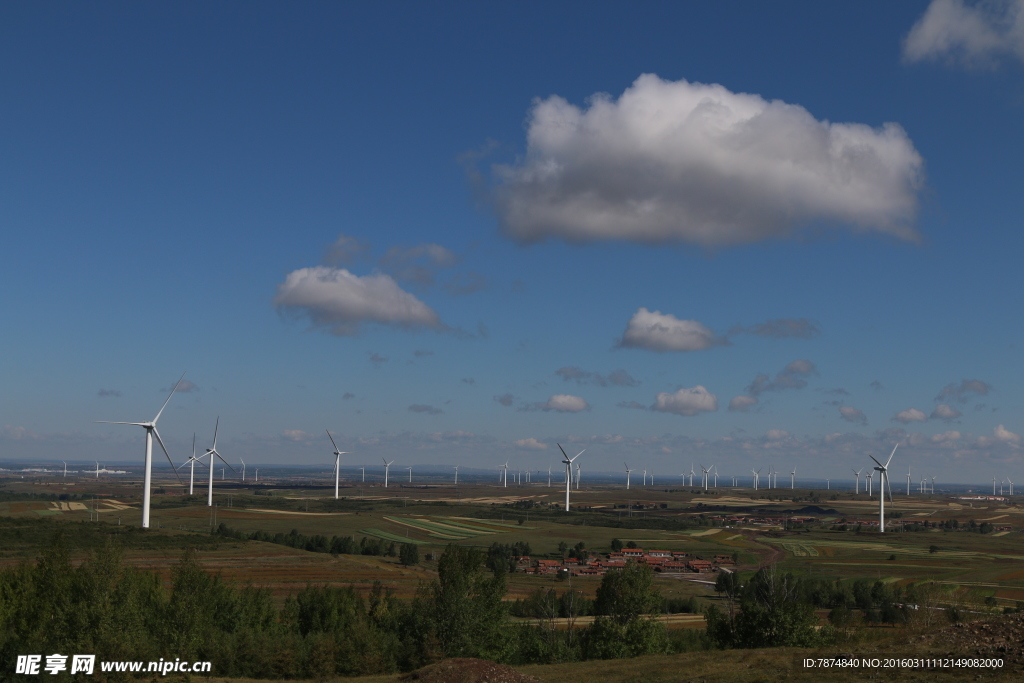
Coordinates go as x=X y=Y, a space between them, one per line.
x=674 y=161
x=338 y=301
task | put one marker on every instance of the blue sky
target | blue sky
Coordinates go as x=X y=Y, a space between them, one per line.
x=458 y=233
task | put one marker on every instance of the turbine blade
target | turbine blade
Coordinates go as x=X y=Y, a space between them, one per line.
x=108 y=422
x=216 y=428
x=577 y=455
x=331 y=438
x=224 y=461
x=892 y=454
x=169 y=398
x=879 y=464
x=564 y=454
x=164 y=448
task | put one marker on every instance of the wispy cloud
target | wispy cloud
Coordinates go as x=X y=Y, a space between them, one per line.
x=975 y=35
x=422 y=408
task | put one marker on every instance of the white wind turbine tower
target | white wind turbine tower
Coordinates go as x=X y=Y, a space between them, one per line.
x=993 y=486
x=578 y=474
x=868 y=478
x=151 y=431
x=645 y=477
x=856 y=486
x=755 y=477
x=716 y=476
x=212 y=451
x=770 y=472
x=362 y=474
x=456 y=475
x=410 y=474
x=1011 y=485
x=192 y=462
x=387 y=466
x=883 y=481
x=504 y=469
x=933 y=484
x=549 y=476
x=704 y=476
x=691 y=474
x=337 y=462
x=65 y=468
x=792 y=479
x=257 y=480
x=627 y=475
x=243 y=467
x=908 y=480
x=568 y=471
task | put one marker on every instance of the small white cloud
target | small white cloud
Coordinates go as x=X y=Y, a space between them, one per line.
x=295 y=435
x=742 y=403
x=566 y=403
x=945 y=412
x=686 y=401
x=530 y=444
x=1005 y=435
x=665 y=332
x=339 y=302
x=973 y=35
x=674 y=161
x=776 y=434
x=851 y=414
x=909 y=415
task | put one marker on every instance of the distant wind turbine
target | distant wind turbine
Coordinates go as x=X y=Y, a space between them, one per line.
x=337 y=462
x=214 y=453
x=627 y=475
x=883 y=484
x=792 y=479
x=568 y=471
x=151 y=431
x=387 y=467
x=456 y=475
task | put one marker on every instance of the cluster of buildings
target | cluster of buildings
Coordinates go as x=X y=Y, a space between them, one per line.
x=658 y=560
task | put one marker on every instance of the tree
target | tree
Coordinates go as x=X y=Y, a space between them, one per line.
x=772 y=613
x=466 y=606
x=616 y=545
x=627 y=604
x=409 y=554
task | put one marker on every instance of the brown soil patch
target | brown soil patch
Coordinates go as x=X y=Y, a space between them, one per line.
x=468 y=671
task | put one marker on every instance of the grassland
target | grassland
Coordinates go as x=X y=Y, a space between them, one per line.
x=990 y=565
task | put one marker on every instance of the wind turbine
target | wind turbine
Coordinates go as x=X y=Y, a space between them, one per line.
x=257 y=476
x=771 y=471
x=212 y=451
x=456 y=475
x=755 y=477
x=65 y=468
x=568 y=471
x=337 y=462
x=387 y=466
x=578 y=475
x=883 y=484
x=410 y=474
x=627 y=475
x=549 y=476
x=908 y=480
x=243 y=467
x=362 y=471
x=993 y=486
x=151 y=431
x=1011 y=485
x=716 y=475
x=645 y=477
x=192 y=462
x=504 y=473
x=933 y=484
x=868 y=478
x=792 y=479
x=704 y=476
x=856 y=486
x=691 y=474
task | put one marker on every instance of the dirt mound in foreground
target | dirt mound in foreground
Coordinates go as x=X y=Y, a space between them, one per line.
x=996 y=637
x=468 y=671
